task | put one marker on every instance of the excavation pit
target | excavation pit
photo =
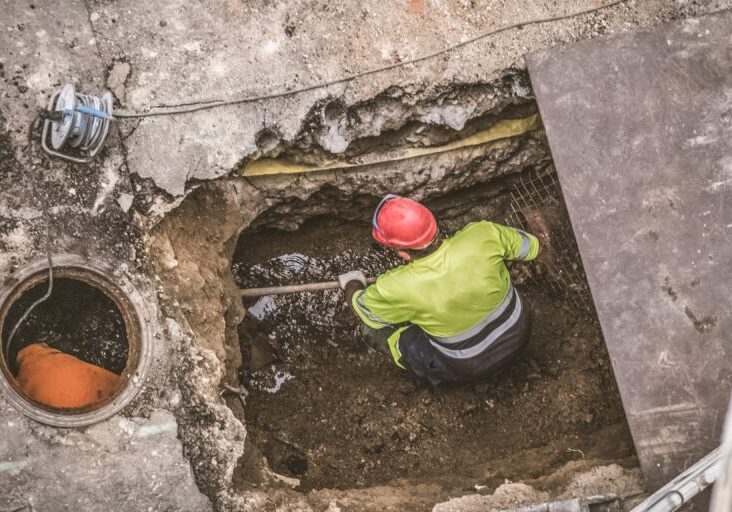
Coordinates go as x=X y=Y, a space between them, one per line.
x=89 y=315
x=326 y=410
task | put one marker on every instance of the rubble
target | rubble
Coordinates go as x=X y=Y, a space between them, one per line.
x=164 y=203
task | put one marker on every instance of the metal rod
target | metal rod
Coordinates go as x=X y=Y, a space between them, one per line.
x=294 y=288
x=685 y=486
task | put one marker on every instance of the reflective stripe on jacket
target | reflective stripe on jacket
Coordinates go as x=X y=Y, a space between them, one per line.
x=456 y=293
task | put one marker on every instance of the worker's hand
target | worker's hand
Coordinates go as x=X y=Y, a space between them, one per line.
x=353 y=275
x=538 y=226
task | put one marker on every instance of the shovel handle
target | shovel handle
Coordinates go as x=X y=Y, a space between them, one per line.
x=294 y=288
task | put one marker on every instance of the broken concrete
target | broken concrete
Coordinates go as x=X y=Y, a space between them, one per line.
x=199 y=275
x=106 y=466
x=182 y=52
x=90 y=470
x=117 y=79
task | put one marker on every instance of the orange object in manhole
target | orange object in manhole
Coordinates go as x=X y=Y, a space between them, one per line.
x=82 y=354
x=60 y=380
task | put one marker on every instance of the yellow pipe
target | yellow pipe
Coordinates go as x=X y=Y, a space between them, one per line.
x=506 y=129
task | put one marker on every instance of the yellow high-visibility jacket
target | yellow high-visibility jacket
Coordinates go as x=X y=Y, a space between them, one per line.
x=453 y=289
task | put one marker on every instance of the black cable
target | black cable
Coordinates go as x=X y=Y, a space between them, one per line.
x=205 y=105
x=47 y=222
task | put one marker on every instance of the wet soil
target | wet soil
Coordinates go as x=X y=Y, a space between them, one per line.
x=77 y=319
x=324 y=408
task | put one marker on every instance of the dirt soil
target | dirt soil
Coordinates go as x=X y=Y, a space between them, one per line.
x=77 y=319
x=324 y=408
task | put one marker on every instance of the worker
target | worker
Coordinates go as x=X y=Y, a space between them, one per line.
x=60 y=380
x=450 y=313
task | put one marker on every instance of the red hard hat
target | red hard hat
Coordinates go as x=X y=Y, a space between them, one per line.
x=403 y=223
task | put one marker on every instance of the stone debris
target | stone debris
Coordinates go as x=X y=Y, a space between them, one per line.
x=178 y=207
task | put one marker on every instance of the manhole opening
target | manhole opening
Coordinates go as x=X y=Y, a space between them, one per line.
x=87 y=317
x=324 y=409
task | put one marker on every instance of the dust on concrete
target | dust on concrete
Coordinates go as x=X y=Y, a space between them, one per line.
x=47 y=43
x=702 y=324
x=324 y=409
x=90 y=469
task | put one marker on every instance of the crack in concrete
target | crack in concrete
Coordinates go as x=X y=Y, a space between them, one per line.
x=132 y=131
x=93 y=30
x=255 y=187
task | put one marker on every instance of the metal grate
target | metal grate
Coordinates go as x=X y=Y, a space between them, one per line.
x=540 y=191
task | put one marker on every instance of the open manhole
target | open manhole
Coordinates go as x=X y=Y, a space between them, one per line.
x=92 y=322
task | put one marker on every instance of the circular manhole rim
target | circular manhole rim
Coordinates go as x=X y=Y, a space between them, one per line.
x=134 y=312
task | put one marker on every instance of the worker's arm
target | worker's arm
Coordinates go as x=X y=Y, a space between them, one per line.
x=372 y=304
x=383 y=314
x=517 y=244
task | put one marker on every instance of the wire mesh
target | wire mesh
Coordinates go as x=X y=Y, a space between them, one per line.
x=540 y=191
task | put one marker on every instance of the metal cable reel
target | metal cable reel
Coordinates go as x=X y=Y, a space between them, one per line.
x=77 y=124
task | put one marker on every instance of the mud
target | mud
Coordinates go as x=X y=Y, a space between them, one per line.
x=325 y=409
x=77 y=319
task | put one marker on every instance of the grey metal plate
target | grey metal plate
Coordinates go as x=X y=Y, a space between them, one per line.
x=640 y=127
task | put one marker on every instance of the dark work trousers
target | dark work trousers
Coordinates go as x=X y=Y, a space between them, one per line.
x=427 y=362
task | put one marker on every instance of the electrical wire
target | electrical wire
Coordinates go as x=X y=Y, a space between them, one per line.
x=47 y=222
x=172 y=110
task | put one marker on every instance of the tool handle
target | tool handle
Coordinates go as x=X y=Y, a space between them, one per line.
x=295 y=288
x=91 y=112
